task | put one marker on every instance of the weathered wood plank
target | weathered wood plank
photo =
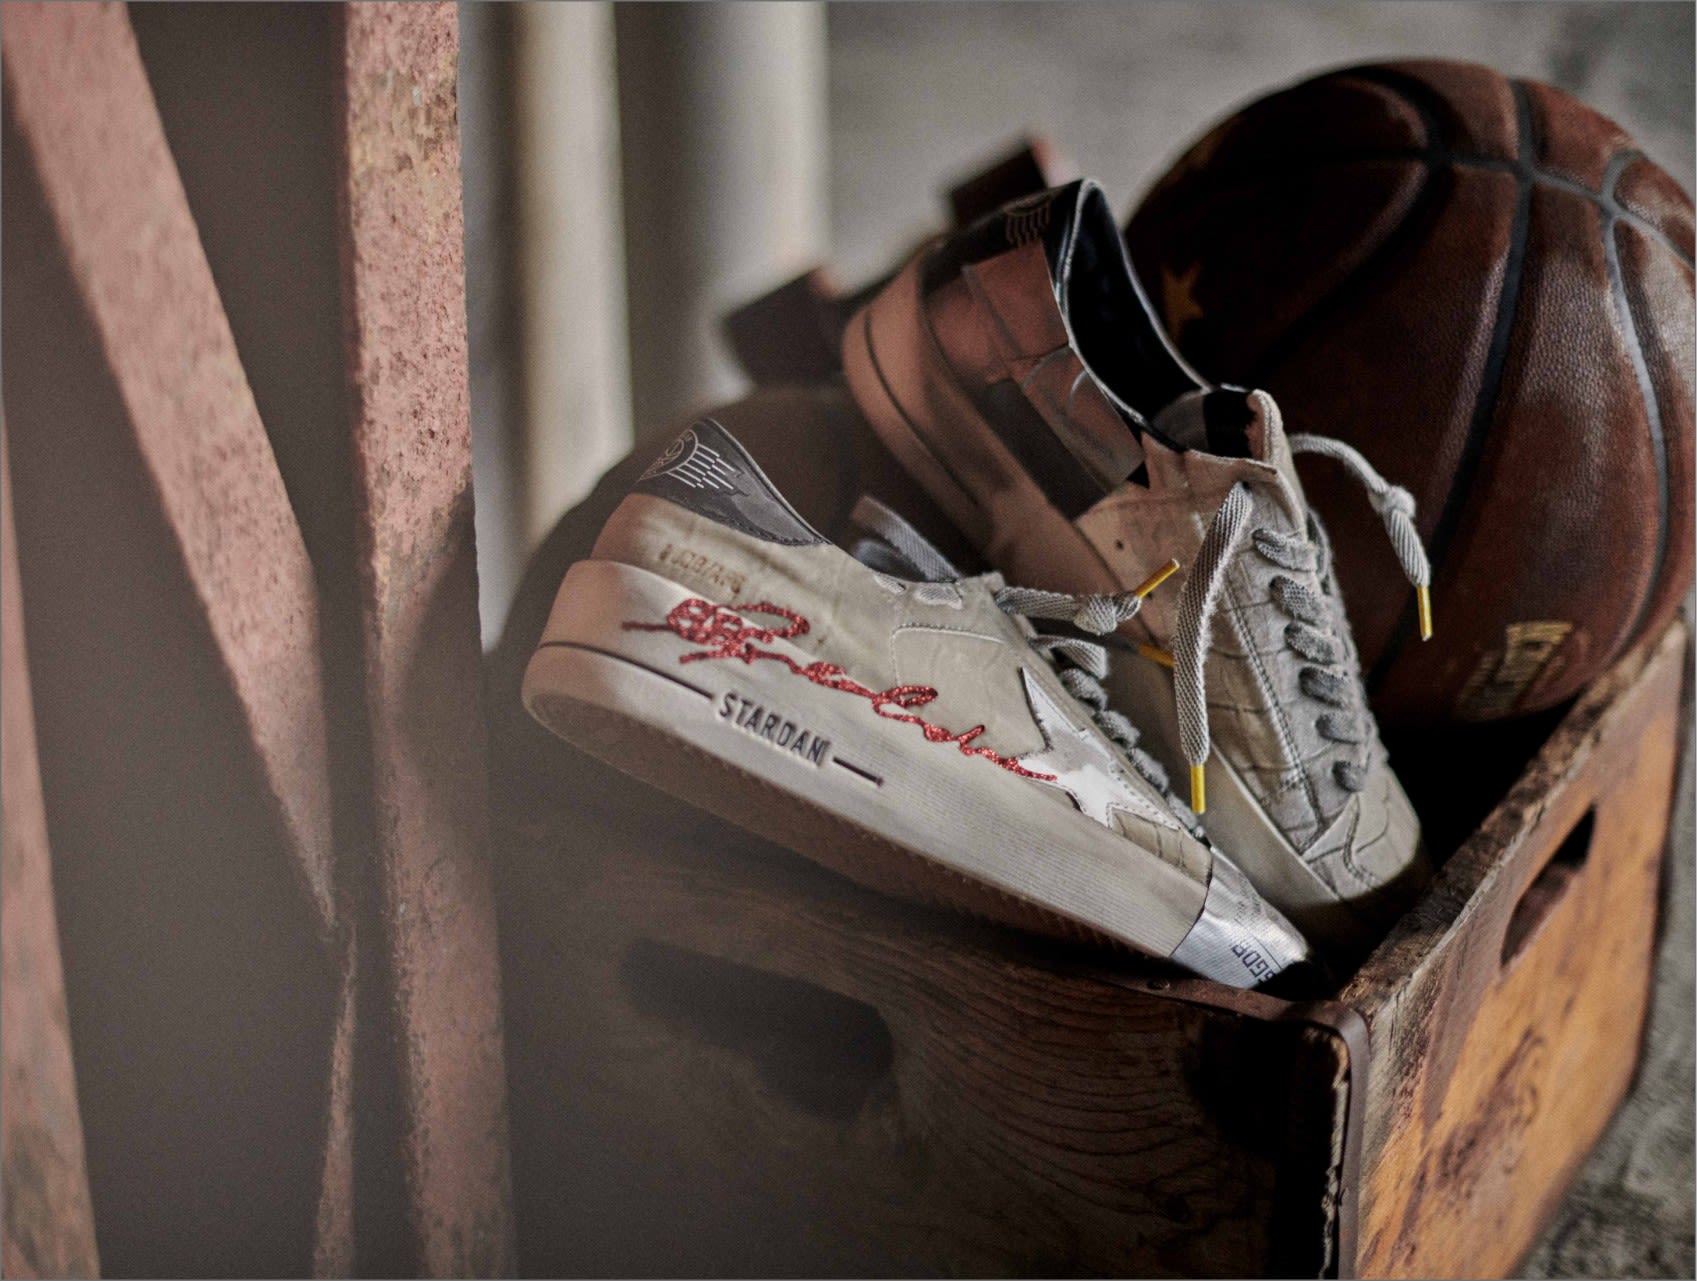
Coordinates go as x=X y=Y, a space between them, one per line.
x=404 y=303
x=734 y=1063
x=1507 y=1010
x=49 y=1220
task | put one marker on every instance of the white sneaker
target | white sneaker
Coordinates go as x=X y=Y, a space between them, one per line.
x=921 y=737
x=1018 y=372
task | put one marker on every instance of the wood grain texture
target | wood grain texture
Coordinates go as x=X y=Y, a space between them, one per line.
x=817 y=1080
x=1507 y=1009
x=727 y=1061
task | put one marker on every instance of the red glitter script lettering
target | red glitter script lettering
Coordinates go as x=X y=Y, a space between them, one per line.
x=726 y=634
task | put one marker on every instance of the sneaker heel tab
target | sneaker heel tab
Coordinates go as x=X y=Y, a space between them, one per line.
x=1046 y=217
x=707 y=471
x=1032 y=166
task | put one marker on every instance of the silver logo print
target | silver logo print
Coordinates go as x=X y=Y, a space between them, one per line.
x=692 y=463
x=1084 y=765
x=1027 y=220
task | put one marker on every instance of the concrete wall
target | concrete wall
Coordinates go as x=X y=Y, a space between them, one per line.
x=922 y=91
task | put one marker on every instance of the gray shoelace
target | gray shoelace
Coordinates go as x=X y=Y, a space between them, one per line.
x=1328 y=676
x=1080 y=664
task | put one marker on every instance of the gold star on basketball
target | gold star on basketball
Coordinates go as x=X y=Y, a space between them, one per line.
x=1178 y=299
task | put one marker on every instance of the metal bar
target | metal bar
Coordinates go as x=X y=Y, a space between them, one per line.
x=82 y=105
x=48 y=1227
x=404 y=303
x=723 y=132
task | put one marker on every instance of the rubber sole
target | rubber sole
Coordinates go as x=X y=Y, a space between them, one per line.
x=822 y=772
x=811 y=831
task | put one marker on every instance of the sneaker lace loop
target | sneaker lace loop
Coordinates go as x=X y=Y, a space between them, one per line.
x=1312 y=631
x=1080 y=664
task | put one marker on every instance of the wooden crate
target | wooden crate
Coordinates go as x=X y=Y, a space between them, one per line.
x=726 y=1061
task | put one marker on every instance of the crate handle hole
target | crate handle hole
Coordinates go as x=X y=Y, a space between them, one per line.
x=1549 y=886
x=819 y=1050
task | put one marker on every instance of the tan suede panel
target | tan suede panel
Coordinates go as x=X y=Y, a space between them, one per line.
x=878 y=630
x=1260 y=719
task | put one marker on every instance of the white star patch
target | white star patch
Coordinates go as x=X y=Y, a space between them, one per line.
x=1084 y=764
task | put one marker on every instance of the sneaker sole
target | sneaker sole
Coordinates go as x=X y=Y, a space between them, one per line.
x=878 y=802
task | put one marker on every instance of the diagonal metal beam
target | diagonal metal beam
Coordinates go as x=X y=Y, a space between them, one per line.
x=82 y=106
x=404 y=306
x=48 y=1228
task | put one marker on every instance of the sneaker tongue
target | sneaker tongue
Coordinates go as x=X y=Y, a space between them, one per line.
x=1228 y=432
x=892 y=546
x=1268 y=444
x=1264 y=434
x=1220 y=421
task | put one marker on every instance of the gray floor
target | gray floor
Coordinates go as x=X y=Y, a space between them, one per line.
x=921 y=93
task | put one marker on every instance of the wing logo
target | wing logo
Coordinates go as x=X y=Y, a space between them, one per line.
x=1027 y=220
x=690 y=462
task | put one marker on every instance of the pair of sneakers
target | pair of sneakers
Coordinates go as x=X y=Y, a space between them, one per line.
x=1159 y=604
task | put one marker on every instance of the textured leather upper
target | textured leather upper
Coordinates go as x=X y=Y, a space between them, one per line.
x=885 y=633
x=954 y=378
x=1263 y=722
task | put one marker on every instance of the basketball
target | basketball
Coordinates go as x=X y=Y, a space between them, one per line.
x=1486 y=288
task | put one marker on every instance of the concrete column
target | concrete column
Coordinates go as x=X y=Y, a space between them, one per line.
x=487 y=151
x=571 y=279
x=723 y=118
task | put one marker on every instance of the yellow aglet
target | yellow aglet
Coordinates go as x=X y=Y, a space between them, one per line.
x=1199 y=788
x=1155 y=654
x=1155 y=580
x=1423 y=599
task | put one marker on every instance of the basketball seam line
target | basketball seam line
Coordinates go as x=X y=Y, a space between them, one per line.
x=1647 y=390
x=1490 y=382
x=1435 y=156
x=1412 y=90
x=1344 y=290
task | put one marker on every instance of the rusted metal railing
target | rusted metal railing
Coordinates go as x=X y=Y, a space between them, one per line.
x=262 y=755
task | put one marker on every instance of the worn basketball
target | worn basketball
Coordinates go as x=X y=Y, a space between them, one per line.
x=1484 y=286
